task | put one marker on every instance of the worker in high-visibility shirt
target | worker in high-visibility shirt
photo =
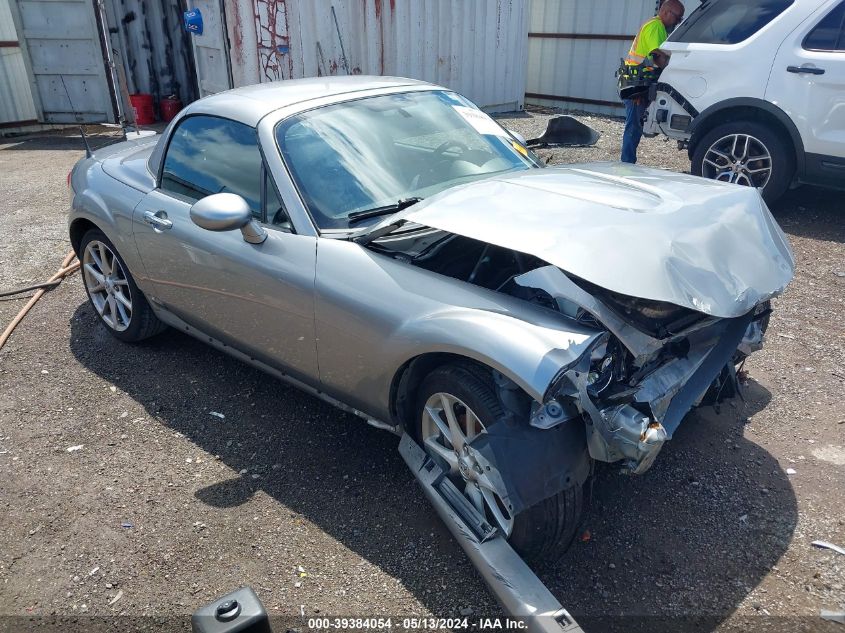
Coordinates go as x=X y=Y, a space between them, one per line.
x=646 y=49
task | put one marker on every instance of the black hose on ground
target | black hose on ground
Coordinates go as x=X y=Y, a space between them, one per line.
x=47 y=284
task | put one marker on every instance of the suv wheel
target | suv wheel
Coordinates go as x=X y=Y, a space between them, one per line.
x=748 y=153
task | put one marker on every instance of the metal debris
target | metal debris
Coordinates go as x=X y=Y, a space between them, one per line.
x=73 y=449
x=217 y=415
x=833 y=616
x=831 y=546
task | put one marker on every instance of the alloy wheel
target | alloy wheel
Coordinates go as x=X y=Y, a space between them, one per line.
x=738 y=158
x=107 y=285
x=448 y=425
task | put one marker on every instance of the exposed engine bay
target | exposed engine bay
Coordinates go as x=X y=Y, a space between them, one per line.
x=653 y=363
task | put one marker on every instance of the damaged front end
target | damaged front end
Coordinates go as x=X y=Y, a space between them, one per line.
x=633 y=388
x=674 y=274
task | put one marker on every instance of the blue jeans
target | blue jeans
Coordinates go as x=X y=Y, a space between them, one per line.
x=634 y=112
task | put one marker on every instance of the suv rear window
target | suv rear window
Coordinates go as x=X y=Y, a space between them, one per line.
x=829 y=34
x=728 y=21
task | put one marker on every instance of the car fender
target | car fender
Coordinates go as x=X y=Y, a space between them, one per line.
x=528 y=354
x=108 y=205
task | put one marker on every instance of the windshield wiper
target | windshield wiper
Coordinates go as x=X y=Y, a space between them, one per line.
x=357 y=216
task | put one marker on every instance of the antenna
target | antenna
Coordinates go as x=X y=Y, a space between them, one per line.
x=78 y=119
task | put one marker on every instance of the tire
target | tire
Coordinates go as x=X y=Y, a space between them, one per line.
x=118 y=302
x=763 y=139
x=541 y=533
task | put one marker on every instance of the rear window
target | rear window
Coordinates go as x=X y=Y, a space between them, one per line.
x=728 y=21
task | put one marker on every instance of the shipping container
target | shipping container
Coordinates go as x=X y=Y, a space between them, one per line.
x=476 y=47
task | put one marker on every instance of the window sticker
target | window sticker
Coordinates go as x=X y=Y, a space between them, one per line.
x=480 y=121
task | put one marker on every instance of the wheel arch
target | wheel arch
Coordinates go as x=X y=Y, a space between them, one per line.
x=408 y=379
x=747 y=107
x=78 y=228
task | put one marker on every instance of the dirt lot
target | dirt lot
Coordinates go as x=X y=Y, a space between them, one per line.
x=166 y=506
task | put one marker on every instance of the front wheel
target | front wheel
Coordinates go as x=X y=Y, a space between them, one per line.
x=455 y=404
x=112 y=291
x=747 y=153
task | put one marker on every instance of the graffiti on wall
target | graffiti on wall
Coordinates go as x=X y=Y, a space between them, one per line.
x=271 y=26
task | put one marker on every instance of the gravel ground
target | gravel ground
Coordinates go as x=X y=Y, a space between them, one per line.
x=165 y=506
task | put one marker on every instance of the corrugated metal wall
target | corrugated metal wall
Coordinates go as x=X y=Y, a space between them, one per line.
x=574 y=48
x=477 y=47
x=16 y=103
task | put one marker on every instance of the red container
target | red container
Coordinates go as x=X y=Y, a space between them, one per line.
x=142 y=104
x=169 y=107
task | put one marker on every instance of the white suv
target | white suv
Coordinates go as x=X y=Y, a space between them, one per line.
x=755 y=90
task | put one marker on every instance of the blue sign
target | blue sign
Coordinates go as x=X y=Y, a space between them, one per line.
x=193 y=21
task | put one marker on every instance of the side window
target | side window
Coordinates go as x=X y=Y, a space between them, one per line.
x=829 y=34
x=209 y=155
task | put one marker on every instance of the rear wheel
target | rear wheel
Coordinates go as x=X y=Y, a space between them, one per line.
x=455 y=404
x=747 y=153
x=112 y=291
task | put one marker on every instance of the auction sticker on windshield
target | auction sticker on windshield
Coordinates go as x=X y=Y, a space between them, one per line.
x=480 y=121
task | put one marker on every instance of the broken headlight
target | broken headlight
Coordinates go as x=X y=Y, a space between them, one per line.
x=656 y=318
x=603 y=364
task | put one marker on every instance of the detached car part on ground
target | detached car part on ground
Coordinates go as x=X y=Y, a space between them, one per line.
x=755 y=90
x=387 y=246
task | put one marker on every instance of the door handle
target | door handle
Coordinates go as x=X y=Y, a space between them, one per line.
x=158 y=220
x=805 y=69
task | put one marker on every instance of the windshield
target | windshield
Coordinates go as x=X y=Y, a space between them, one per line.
x=372 y=153
x=728 y=21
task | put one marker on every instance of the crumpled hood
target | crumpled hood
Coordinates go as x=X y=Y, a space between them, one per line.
x=648 y=233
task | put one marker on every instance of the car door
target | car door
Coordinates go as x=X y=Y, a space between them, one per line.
x=808 y=83
x=258 y=298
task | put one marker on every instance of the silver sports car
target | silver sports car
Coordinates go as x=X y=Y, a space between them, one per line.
x=387 y=246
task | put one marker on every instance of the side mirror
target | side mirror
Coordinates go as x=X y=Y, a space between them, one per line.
x=227 y=212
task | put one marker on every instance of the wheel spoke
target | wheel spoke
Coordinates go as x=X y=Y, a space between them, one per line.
x=473 y=424
x=123 y=310
x=721 y=155
x=446 y=453
x=434 y=415
x=505 y=523
x=758 y=171
x=100 y=278
x=123 y=300
x=108 y=314
x=456 y=435
x=97 y=259
x=105 y=265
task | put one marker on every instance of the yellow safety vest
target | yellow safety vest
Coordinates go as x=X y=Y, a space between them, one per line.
x=634 y=58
